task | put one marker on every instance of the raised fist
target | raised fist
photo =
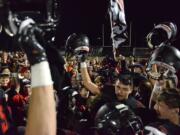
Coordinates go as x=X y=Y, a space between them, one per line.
x=28 y=38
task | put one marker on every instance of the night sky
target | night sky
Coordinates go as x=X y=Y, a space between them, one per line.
x=83 y=16
x=145 y=13
x=89 y=17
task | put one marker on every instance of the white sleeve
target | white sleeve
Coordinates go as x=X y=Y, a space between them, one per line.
x=153 y=131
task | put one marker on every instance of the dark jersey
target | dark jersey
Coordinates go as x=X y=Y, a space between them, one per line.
x=6 y=123
x=167 y=127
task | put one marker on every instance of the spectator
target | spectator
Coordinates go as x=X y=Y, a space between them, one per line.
x=167 y=108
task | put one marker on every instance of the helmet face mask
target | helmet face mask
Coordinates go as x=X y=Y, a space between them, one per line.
x=76 y=44
x=167 y=60
x=161 y=70
x=117 y=119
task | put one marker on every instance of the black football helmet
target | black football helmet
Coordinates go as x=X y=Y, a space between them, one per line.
x=76 y=44
x=167 y=59
x=117 y=119
x=161 y=33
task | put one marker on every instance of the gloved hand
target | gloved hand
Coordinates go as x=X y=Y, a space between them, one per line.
x=82 y=53
x=153 y=131
x=56 y=63
x=28 y=38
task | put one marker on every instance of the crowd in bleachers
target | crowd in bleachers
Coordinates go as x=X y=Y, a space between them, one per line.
x=79 y=104
x=15 y=88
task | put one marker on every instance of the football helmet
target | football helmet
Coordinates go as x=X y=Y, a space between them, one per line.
x=117 y=119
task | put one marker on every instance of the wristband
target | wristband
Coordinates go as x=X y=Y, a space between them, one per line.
x=41 y=75
x=83 y=65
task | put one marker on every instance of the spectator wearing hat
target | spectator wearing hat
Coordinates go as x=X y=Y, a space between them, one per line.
x=11 y=86
x=8 y=84
x=25 y=89
x=5 y=79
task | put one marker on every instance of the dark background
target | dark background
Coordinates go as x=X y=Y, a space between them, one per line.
x=148 y=12
x=89 y=17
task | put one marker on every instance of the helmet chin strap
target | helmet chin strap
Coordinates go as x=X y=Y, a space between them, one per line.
x=165 y=74
x=156 y=90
